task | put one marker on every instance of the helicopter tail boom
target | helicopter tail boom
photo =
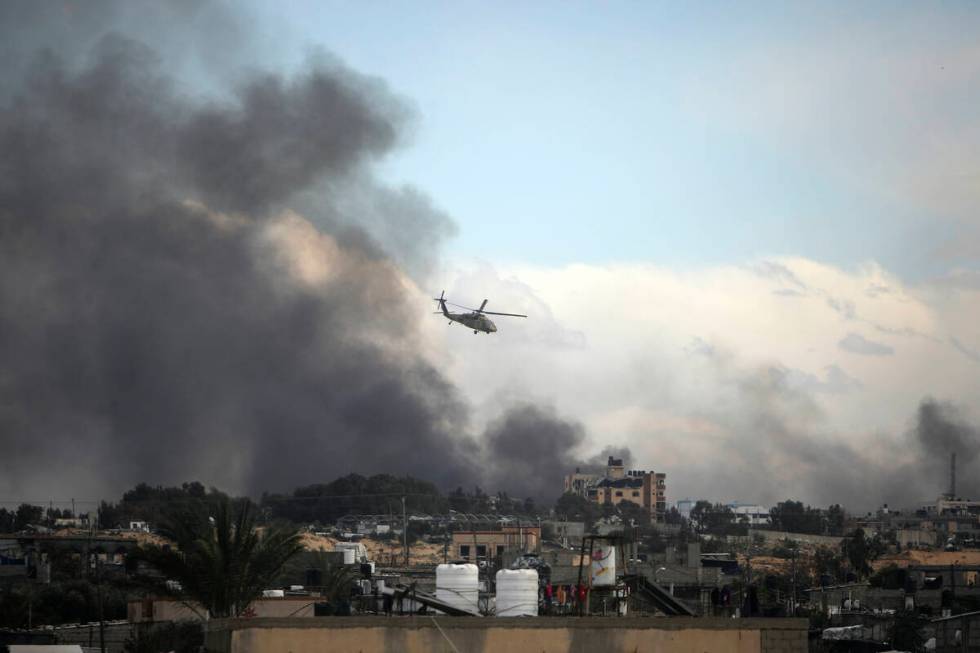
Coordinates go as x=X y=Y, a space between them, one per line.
x=442 y=303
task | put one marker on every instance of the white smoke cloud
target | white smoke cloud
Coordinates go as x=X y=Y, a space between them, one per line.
x=733 y=387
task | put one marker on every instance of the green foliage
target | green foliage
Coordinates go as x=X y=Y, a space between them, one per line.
x=73 y=601
x=6 y=521
x=335 y=578
x=224 y=565
x=835 y=520
x=794 y=517
x=906 y=633
x=27 y=514
x=577 y=508
x=890 y=577
x=633 y=513
x=827 y=562
x=715 y=519
x=153 y=503
x=860 y=551
x=673 y=516
x=355 y=494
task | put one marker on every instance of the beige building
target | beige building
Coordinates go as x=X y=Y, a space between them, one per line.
x=484 y=545
x=618 y=484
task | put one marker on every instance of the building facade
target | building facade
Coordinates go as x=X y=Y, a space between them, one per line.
x=477 y=546
x=644 y=488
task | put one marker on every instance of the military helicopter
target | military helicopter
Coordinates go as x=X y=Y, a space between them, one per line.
x=476 y=319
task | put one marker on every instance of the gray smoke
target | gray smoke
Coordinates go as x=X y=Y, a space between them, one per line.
x=206 y=280
x=152 y=327
x=940 y=430
x=529 y=449
x=779 y=445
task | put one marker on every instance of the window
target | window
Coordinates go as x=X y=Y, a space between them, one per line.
x=618 y=493
x=500 y=549
x=464 y=551
x=481 y=550
x=635 y=493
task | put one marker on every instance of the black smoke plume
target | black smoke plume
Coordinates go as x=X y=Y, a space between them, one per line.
x=940 y=430
x=215 y=285
x=529 y=449
x=163 y=315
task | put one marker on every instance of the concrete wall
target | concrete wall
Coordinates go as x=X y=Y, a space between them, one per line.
x=475 y=635
x=817 y=540
x=159 y=610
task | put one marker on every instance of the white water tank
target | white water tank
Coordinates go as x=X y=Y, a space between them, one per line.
x=458 y=585
x=350 y=556
x=517 y=593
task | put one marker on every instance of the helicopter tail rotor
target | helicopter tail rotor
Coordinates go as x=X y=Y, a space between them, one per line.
x=442 y=303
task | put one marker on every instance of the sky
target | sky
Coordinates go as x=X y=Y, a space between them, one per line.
x=686 y=134
x=787 y=189
x=745 y=237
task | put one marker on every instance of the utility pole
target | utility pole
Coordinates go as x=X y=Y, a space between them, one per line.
x=98 y=588
x=792 y=600
x=405 y=530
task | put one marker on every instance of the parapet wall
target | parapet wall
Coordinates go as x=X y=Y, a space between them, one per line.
x=534 y=635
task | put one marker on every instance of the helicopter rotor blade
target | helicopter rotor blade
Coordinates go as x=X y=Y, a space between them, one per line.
x=461 y=306
x=508 y=314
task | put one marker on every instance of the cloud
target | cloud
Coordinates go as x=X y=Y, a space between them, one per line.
x=709 y=376
x=963 y=349
x=858 y=344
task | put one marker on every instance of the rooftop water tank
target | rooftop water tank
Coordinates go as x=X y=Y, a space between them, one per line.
x=517 y=593
x=458 y=585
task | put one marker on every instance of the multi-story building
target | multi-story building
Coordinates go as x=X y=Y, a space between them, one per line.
x=751 y=513
x=644 y=488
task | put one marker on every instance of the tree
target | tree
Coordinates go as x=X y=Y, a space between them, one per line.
x=794 y=517
x=7 y=520
x=835 y=519
x=906 y=631
x=715 y=519
x=27 y=514
x=222 y=563
x=699 y=516
x=577 y=508
x=827 y=565
x=860 y=551
x=633 y=513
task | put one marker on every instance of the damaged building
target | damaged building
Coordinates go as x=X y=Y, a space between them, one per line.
x=644 y=488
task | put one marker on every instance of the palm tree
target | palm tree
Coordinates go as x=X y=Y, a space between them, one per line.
x=222 y=562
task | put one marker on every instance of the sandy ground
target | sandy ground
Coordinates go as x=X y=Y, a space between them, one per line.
x=383 y=553
x=770 y=564
x=915 y=557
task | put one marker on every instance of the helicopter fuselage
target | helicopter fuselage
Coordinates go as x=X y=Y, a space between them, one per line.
x=475 y=321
